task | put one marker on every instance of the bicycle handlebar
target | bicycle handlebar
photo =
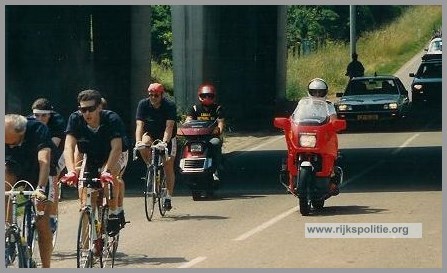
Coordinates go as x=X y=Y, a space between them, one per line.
x=157 y=144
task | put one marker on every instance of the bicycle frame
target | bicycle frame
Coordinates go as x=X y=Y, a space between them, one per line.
x=93 y=224
x=19 y=241
x=155 y=182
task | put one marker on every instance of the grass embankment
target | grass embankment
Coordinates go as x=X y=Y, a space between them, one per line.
x=383 y=51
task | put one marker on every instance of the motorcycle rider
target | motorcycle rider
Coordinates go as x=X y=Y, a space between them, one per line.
x=209 y=110
x=318 y=89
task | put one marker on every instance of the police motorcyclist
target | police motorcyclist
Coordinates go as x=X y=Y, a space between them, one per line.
x=318 y=89
x=208 y=109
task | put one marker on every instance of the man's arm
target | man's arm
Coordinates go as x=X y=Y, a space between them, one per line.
x=115 y=153
x=139 y=131
x=69 y=152
x=43 y=156
x=168 y=131
x=221 y=125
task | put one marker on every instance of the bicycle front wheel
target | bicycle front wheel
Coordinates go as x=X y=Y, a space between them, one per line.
x=162 y=192
x=15 y=255
x=110 y=242
x=150 y=195
x=84 y=241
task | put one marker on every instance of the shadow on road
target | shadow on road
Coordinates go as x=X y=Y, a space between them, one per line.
x=347 y=210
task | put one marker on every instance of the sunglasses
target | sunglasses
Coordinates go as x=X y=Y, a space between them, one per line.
x=88 y=108
x=211 y=96
x=154 y=95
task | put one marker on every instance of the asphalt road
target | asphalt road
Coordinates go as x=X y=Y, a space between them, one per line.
x=394 y=176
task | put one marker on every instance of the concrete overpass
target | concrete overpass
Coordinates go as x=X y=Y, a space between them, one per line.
x=57 y=51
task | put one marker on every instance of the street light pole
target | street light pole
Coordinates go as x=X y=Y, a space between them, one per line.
x=352 y=23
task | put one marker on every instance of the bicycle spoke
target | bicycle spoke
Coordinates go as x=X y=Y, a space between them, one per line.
x=149 y=195
x=15 y=256
x=84 y=242
x=162 y=195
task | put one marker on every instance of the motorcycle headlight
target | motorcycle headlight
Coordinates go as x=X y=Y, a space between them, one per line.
x=308 y=140
x=390 y=106
x=196 y=148
x=344 y=107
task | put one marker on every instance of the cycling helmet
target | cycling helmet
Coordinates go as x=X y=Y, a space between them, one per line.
x=156 y=88
x=317 y=88
x=206 y=93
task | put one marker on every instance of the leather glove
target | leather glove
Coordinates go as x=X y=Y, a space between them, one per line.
x=70 y=179
x=39 y=194
x=106 y=177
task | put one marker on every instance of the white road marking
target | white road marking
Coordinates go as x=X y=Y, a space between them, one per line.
x=193 y=262
x=266 y=224
x=405 y=144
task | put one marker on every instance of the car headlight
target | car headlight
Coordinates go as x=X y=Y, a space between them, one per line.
x=196 y=148
x=417 y=87
x=344 y=107
x=308 y=140
x=390 y=106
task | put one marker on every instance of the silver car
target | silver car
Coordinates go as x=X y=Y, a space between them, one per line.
x=373 y=98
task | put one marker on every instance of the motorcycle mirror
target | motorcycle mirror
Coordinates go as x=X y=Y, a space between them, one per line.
x=282 y=123
x=339 y=124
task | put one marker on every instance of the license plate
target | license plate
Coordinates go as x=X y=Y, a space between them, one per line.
x=367 y=117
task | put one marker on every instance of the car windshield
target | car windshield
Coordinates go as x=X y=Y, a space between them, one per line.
x=430 y=70
x=371 y=87
x=311 y=112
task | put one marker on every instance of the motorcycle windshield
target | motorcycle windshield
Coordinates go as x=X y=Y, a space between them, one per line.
x=311 y=111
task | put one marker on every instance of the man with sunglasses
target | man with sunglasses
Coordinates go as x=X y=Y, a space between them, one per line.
x=28 y=149
x=44 y=112
x=156 y=119
x=102 y=136
x=209 y=110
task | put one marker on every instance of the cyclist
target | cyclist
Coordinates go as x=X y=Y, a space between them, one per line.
x=101 y=135
x=28 y=149
x=156 y=119
x=44 y=112
x=208 y=109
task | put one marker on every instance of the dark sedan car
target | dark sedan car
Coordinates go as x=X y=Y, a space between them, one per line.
x=426 y=88
x=373 y=98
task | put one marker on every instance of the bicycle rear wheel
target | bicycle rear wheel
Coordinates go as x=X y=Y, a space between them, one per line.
x=15 y=252
x=150 y=196
x=162 y=192
x=84 y=241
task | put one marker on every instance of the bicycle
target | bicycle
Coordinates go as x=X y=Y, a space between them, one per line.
x=20 y=238
x=154 y=192
x=93 y=241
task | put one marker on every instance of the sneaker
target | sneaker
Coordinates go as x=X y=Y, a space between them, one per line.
x=122 y=219
x=113 y=225
x=216 y=176
x=53 y=224
x=167 y=205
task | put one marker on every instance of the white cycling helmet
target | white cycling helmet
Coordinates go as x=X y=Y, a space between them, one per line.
x=317 y=88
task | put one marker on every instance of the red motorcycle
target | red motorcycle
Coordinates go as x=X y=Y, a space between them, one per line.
x=312 y=152
x=196 y=162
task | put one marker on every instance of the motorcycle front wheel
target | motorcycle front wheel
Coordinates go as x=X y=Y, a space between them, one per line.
x=304 y=179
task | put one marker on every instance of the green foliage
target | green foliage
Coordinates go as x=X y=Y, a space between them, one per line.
x=383 y=50
x=163 y=75
x=161 y=31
